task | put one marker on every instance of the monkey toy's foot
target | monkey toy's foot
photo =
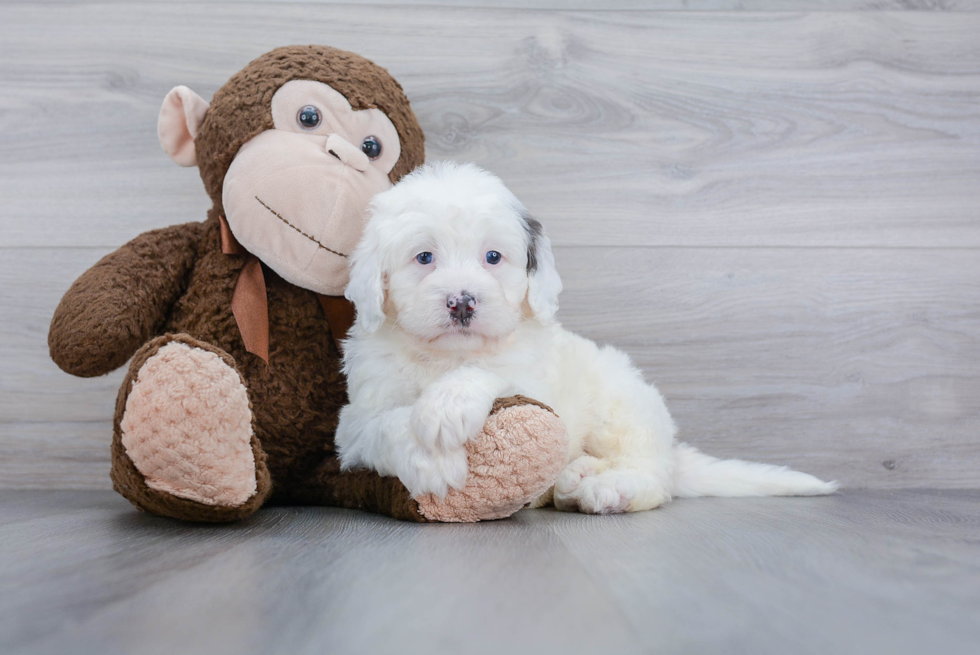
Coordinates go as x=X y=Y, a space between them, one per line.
x=512 y=463
x=183 y=444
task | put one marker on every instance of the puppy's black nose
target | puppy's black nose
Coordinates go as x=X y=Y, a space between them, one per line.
x=461 y=307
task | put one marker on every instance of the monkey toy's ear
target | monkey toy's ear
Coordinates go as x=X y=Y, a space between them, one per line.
x=180 y=118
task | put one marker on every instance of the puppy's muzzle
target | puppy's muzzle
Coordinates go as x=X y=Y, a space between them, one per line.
x=461 y=307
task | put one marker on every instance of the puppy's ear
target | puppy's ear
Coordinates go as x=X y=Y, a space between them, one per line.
x=366 y=287
x=543 y=281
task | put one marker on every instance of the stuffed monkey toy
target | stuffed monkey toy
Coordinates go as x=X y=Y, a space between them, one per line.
x=233 y=326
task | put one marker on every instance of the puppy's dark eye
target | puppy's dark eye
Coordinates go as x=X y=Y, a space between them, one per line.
x=371 y=147
x=424 y=258
x=308 y=117
x=493 y=257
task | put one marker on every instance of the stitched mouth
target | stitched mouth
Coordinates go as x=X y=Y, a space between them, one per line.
x=314 y=240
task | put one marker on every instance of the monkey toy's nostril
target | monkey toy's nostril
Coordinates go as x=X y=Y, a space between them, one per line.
x=461 y=307
x=346 y=152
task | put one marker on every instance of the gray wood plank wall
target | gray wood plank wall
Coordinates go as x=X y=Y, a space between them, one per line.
x=630 y=5
x=777 y=214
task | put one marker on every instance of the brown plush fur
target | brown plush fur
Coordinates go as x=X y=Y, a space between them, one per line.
x=176 y=281
x=176 y=284
x=517 y=401
x=129 y=482
x=241 y=108
x=295 y=400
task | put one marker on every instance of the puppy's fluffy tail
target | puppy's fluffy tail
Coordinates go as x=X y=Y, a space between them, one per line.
x=698 y=474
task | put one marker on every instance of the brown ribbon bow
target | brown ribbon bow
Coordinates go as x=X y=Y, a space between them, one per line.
x=250 y=304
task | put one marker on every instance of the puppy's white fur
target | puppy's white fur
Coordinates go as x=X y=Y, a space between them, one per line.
x=421 y=383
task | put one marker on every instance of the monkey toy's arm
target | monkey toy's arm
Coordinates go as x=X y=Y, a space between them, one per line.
x=122 y=301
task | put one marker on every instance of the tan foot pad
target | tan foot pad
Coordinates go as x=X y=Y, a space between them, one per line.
x=187 y=427
x=517 y=457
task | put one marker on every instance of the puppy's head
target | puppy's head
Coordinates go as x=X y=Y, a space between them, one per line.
x=452 y=258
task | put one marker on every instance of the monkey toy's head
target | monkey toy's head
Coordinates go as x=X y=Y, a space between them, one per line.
x=291 y=150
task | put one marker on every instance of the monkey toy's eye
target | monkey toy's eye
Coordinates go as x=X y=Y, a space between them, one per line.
x=424 y=258
x=371 y=147
x=308 y=117
x=493 y=257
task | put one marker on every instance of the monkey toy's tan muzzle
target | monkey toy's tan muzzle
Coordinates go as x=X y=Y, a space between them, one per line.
x=299 y=202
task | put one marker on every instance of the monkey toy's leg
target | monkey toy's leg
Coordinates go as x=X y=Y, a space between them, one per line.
x=512 y=463
x=183 y=443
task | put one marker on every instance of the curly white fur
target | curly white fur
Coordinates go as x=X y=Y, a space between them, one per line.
x=421 y=382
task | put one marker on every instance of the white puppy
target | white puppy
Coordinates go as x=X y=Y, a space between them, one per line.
x=456 y=292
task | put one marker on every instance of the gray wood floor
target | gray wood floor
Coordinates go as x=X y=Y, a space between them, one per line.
x=863 y=572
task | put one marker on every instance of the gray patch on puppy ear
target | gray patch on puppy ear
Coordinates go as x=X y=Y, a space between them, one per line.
x=534 y=231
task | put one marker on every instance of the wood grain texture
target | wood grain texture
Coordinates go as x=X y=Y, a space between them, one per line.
x=829 y=129
x=858 y=365
x=861 y=572
x=853 y=364
x=630 y=5
x=775 y=214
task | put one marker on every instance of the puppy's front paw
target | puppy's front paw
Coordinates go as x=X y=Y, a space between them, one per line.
x=445 y=418
x=423 y=472
x=591 y=486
